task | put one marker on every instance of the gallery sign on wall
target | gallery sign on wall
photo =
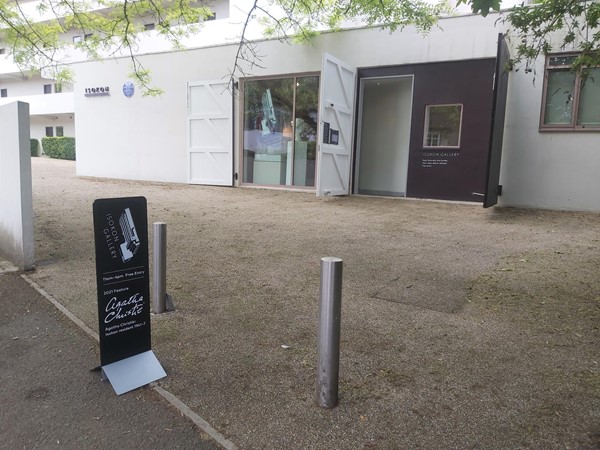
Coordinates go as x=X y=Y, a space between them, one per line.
x=122 y=277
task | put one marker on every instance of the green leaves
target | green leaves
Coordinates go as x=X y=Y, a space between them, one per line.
x=103 y=29
x=114 y=28
x=300 y=20
x=482 y=7
x=552 y=26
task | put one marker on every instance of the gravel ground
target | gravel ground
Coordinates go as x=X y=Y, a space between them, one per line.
x=461 y=327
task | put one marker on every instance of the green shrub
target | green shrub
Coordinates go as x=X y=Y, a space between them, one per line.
x=34 y=145
x=59 y=147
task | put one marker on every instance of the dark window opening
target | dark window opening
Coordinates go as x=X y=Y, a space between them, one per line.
x=49 y=132
x=59 y=131
x=47 y=89
x=3 y=92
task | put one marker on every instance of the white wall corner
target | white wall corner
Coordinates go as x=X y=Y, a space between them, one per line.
x=16 y=199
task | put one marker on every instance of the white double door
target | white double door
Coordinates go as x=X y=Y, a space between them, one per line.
x=210 y=148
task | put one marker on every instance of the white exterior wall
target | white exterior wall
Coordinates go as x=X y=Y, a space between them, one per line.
x=39 y=124
x=553 y=170
x=16 y=204
x=145 y=138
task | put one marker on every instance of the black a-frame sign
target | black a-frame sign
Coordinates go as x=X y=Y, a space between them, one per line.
x=492 y=186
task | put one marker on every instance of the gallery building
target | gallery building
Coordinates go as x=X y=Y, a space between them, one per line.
x=360 y=111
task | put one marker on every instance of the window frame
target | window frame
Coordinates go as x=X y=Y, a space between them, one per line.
x=59 y=131
x=576 y=97
x=3 y=92
x=426 y=130
x=49 y=131
x=47 y=89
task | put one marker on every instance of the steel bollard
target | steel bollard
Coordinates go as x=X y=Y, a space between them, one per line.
x=330 y=311
x=160 y=268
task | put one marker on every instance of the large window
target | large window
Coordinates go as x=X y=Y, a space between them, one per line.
x=280 y=131
x=571 y=100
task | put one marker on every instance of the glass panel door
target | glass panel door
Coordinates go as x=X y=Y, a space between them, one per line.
x=280 y=131
x=268 y=106
x=306 y=125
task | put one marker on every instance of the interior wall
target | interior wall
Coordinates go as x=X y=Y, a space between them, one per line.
x=385 y=136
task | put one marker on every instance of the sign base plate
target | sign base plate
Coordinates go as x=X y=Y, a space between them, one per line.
x=133 y=372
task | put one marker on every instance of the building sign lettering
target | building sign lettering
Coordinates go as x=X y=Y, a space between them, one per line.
x=96 y=91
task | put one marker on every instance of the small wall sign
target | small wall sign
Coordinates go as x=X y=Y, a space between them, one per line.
x=96 y=91
x=128 y=89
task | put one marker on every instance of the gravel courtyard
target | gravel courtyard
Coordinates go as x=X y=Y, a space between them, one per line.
x=461 y=327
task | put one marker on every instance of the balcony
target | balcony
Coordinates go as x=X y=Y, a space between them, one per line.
x=45 y=105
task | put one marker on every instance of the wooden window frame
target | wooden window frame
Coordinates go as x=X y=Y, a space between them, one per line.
x=576 y=97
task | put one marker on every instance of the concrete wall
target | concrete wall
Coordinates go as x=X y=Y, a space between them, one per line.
x=16 y=206
x=553 y=170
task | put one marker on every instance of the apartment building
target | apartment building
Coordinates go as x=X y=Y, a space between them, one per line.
x=51 y=103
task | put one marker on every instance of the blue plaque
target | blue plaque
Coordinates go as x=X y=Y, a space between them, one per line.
x=128 y=89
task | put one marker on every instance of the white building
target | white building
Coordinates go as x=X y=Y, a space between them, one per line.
x=361 y=111
x=51 y=104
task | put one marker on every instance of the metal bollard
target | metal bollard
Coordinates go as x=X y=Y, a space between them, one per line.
x=330 y=311
x=160 y=267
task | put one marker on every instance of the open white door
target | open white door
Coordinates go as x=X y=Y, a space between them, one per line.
x=336 y=112
x=210 y=149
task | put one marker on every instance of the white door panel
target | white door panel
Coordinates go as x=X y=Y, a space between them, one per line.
x=210 y=149
x=336 y=111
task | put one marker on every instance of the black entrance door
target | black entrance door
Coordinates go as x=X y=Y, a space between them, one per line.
x=493 y=187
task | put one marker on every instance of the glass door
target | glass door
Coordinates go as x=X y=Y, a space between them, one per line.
x=280 y=131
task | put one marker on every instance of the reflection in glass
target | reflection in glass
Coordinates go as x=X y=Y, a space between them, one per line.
x=589 y=99
x=442 y=126
x=559 y=97
x=280 y=128
x=305 y=135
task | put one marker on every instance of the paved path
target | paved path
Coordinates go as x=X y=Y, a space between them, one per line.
x=49 y=398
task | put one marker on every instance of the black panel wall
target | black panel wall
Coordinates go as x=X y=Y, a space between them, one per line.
x=448 y=173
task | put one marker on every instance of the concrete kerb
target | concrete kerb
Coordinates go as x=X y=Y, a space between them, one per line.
x=174 y=401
